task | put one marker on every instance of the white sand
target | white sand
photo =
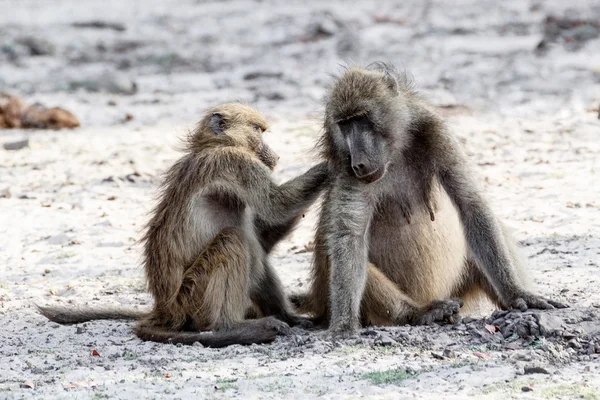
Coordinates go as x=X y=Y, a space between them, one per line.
x=527 y=125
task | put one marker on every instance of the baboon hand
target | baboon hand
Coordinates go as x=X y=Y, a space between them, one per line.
x=526 y=300
x=440 y=311
x=278 y=326
x=301 y=322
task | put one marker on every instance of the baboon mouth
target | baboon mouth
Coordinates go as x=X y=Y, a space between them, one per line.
x=372 y=176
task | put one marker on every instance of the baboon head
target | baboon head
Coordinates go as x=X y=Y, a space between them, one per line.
x=234 y=124
x=364 y=120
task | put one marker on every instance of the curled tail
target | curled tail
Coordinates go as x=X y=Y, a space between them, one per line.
x=75 y=315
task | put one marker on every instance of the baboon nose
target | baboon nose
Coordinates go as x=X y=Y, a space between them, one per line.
x=359 y=169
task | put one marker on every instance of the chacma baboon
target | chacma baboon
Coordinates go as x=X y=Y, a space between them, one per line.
x=206 y=245
x=404 y=229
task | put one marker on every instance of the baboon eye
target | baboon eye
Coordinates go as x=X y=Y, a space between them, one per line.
x=258 y=128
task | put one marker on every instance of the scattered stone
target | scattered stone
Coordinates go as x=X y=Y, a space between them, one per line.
x=27 y=385
x=109 y=81
x=437 y=356
x=97 y=24
x=4 y=191
x=17 y=145
x=535 y=370
x=448 y=353
x=326 y=26
x=526 y=389
x=385 y=340
x=250 y=76
x=37 y=46
x=571 y=32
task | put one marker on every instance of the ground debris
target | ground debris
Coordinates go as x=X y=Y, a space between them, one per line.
x=15 y=113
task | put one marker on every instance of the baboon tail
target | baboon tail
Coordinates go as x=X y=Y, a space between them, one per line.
x=75 y=315
x=243 y=335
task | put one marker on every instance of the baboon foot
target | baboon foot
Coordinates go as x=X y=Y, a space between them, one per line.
x=279 y=327
x=440 y=311
x=524 y=301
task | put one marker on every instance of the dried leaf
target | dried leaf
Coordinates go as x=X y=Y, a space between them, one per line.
x=483 y=356
x=95 y=353
x=492 y=329
x=168 y=376
x=80 y=384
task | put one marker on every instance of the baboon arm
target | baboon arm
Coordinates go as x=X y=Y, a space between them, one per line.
x=274 y=204
x=483 y=231
x=348 y=215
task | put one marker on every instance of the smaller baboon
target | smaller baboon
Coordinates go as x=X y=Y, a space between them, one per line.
x=206 y=246
x=405 y=234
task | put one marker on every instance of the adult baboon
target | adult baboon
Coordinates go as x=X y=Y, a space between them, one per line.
x=403 y=228
x=206 y=245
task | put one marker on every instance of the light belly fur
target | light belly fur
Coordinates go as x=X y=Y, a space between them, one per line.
x=424 y=258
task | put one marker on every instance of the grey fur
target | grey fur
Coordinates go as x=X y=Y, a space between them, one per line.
x=418 y=230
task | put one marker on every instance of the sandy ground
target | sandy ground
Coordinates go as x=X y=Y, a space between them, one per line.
x=78 y=199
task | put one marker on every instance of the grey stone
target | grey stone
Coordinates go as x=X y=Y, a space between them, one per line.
x=4 y=191
x=16 y=145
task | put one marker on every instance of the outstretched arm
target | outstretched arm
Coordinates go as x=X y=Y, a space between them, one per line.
x=242 y=181
x=296 y=196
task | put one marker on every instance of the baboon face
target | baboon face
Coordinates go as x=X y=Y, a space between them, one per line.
x=360 y=123
x=245 y=126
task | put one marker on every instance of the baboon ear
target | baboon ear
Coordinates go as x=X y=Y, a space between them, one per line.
x=391 y=82
x=217 y=123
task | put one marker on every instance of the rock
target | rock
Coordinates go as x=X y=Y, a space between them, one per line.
x=324 y=27
x=14 y=113
x=448 y=353
x=27 y=385
x=385 y=340
x=110 y=82
x=549 y=324
x=535 y=370
x=37 y=46
x=526 y=389
x=348 y=45
x=4 y=192
x=16 y=145
x=97 y=24
x=39 y=117
x=250 y=76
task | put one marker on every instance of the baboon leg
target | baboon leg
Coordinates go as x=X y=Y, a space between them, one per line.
x=214 y=288
x=213 y=295
x=384 y=303
x=270 y=298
